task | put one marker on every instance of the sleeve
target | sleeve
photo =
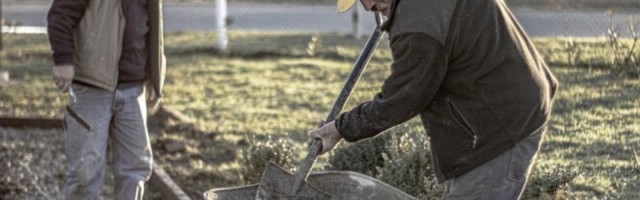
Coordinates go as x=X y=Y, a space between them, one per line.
x=417 y=71
x=62 y=20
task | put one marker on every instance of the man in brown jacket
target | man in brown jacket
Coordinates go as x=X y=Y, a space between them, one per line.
x=105 y=53
x=470 y=72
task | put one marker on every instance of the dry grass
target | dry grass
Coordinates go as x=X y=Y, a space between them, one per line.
x=268 y=86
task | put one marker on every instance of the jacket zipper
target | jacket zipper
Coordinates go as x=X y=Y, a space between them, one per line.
x=459 y=118
x=122 y=25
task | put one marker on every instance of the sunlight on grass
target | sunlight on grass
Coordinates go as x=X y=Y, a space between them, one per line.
x=268 y=85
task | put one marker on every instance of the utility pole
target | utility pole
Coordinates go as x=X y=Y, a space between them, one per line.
x=221 y=25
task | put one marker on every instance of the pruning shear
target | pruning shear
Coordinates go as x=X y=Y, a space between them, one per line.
x=73 y=113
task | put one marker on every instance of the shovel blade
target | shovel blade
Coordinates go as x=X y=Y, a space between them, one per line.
x=277 y=183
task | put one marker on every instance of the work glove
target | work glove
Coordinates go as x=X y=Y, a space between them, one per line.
x=329 y=136
x=62 y=76
x=153 y=99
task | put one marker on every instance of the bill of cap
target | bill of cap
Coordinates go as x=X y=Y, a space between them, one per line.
x=344 y=5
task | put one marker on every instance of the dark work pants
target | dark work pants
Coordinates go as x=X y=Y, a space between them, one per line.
x=502 y=178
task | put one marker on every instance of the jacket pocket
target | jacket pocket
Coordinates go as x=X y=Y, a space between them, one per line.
x=459 y=119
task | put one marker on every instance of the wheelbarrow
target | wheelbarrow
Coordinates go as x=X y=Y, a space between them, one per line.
x=277 y=183
x=338 y=184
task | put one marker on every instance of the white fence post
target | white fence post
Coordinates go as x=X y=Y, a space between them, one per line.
x=221 y=25
x=1 y=24
x=4 y=74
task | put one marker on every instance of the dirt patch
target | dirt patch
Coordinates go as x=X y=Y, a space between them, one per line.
x=191 y=155
x=37 y=163
x=32 y=163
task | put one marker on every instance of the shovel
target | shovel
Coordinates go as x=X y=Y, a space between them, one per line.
x=277 y=183
x=74 y=114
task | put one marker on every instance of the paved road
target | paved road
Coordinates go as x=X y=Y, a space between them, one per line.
x=180 y=17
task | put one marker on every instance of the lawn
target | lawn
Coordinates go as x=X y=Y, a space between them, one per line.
x=279 y=85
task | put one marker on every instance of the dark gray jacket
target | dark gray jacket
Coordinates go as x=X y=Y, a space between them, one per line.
x=470 y=72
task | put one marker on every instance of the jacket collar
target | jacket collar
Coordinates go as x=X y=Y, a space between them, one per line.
x=387 y=24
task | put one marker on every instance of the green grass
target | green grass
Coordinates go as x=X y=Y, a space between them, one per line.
x=269 y=85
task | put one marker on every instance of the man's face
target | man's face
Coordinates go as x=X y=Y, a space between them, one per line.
x=382 y=6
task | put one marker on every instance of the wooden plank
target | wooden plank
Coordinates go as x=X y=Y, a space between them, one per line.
x=161 y=181
x=19 y=122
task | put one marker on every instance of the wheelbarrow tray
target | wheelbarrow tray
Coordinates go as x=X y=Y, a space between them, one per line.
x=339 y=184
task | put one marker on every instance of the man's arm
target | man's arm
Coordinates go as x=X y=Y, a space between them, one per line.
x=417 y=72
x=62 y=20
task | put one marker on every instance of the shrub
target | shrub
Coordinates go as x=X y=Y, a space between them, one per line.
x=399 y=157
x=549 y=183
x=362 y=157
x=574 y=52
x=402 y=159
x=254 y=159
x=407 y=164
x=625 y=57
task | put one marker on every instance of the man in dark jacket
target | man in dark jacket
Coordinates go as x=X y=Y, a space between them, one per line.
x=105 y=53
x=470 y=72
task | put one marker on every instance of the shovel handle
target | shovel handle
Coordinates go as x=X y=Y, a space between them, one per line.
x=73 y=113
x=78 y=118
x=353 y=78
x=350 y=83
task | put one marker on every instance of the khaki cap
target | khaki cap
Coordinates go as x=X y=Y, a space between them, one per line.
x=344 y=5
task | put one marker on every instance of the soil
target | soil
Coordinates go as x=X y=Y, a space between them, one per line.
x=36 y=161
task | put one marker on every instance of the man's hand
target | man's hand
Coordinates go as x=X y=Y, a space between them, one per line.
x=62 y=76
x=153 y=100
x=328 y=134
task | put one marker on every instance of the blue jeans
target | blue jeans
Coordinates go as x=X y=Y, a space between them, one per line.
x=118 y=119
x=502 y=178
